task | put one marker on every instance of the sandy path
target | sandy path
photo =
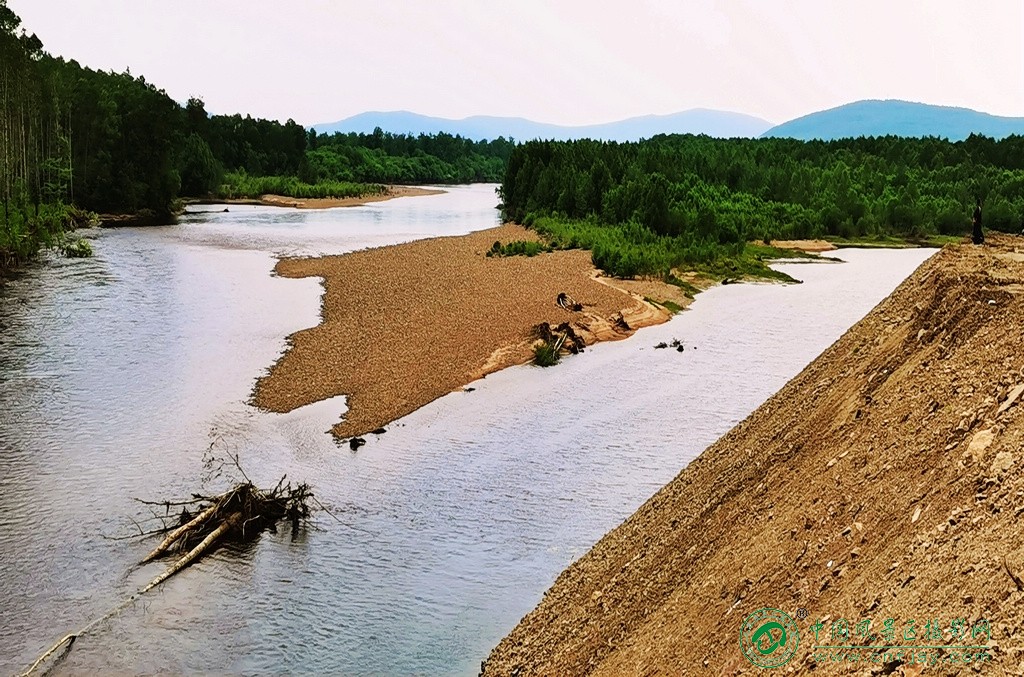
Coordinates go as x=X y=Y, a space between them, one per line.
x=406 y=324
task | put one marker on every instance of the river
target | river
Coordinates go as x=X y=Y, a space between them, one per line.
x=118 y=373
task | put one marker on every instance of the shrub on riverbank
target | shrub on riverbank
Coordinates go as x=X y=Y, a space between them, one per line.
x=240 y=185
x=75 y=247
x=631 y=250
x=24 y=232
x=546 y=354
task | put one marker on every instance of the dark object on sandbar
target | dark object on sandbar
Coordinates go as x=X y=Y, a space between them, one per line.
x=661 y=345
x=568 y=303
x=378 y=431
x=977 y=236
x=562 y=337
x=356 y=442
x=468 y=390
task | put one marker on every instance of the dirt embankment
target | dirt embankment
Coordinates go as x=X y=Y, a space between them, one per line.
x=886 y=481
x=406 y=324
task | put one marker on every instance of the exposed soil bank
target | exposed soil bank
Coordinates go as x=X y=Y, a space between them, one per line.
x=884 y=481
x=391 y=193
x=406 y=324
x=812 y=246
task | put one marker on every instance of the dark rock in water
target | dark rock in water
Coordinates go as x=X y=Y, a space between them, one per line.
x=378 y=431
x=225 y=210
x=676 y=343
x=468 y=390
x=680 y=348
x=356 y=442
x=661 y=345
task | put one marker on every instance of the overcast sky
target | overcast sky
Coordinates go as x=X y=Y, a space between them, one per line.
x=559 y=62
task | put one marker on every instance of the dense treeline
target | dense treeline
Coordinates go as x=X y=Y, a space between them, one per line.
x=34 y=150
x=113 y=142
x=383 y=157
x=698 y=198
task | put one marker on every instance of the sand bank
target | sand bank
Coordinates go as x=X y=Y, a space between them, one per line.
x=391 y=193
x=810 y=246
x=406 y=324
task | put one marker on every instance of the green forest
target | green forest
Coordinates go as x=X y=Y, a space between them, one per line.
x=73 y=139
x=645 y=208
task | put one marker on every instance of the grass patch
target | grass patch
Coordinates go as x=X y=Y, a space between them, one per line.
x=518 y=248
x=670 y=306
x=545 y=355
x=689 y=290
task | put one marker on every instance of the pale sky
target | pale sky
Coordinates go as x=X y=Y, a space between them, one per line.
x=572 y=62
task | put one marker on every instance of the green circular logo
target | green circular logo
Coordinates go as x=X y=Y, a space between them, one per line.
x=769 y=638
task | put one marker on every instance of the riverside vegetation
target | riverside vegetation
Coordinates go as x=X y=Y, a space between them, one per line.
x=115 y=143
x=670 y=202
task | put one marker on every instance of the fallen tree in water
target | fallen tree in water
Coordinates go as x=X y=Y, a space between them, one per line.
x=239 y=514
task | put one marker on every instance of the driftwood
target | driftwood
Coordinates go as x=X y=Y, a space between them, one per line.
x=239 y=514
x=567 y=302
x=179 y=532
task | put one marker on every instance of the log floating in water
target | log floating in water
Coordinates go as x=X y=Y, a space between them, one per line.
x=239 y=514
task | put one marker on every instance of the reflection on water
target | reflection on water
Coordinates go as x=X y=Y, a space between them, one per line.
x=117 y=373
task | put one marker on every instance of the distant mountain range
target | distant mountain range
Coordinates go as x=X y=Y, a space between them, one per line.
x=898 y=118
x=697 y=121
x=861 y=118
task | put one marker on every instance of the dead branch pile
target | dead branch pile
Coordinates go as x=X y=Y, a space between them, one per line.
x=239 y=514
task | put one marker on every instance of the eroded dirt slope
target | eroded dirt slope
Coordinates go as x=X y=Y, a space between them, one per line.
x=885 y=481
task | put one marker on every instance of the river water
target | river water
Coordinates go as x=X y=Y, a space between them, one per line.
x=118 y=372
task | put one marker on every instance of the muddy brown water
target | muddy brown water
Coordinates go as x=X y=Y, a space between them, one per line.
x=118 y=372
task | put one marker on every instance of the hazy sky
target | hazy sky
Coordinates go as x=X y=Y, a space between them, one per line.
x=559 y=62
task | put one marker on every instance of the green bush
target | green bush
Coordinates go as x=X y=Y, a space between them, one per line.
x=240 y=185
x=545 y=355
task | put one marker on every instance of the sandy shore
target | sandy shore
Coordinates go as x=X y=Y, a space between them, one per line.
x=406 y=324
x=327 y=202
x=810 y=246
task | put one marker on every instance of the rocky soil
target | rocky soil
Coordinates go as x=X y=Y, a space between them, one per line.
x=406 y=324
x=886 y=481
